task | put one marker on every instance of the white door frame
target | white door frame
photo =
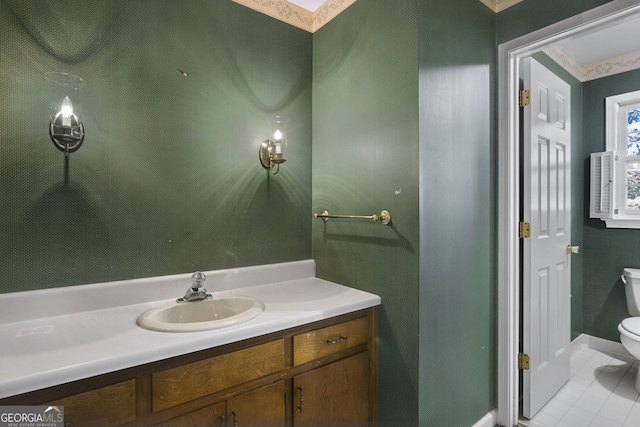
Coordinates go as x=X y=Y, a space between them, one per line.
x=509 y=56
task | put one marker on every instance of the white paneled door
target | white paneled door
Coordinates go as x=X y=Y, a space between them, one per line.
x=546 y=288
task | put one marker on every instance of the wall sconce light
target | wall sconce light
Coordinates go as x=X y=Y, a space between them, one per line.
x=272 y=149
x=65 y=127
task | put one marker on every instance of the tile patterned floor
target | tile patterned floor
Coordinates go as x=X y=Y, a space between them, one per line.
x=600 y=393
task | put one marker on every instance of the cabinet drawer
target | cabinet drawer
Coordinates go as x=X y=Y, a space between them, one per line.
x=213 y=415
x=332 y=339
x=107 y=406
x=184 y=383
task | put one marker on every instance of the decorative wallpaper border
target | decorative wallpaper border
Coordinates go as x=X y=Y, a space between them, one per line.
x=296 y=15
x=596 y=70
x=499 y=5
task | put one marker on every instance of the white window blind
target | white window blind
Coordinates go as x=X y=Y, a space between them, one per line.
x=615 y=174
x=601 y=184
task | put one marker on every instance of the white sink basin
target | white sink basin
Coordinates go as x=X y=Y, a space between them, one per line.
x=216 y=313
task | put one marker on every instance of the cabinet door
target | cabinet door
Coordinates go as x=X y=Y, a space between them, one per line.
x=334 y=395
x=211 y=416
x=107 y=406
x=264 y=407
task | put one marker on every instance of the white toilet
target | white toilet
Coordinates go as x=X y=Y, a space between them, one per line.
x=630 y=327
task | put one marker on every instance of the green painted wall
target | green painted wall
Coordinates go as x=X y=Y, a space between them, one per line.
x=365 y=159
x=606 y=251
x=168 y=178
x=402 y=120
x=457 y=213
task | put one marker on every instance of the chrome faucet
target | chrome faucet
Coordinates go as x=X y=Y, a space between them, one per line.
x=197 y=291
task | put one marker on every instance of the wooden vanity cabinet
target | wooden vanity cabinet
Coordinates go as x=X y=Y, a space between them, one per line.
x=212 y=416
x=110 y=405
x=334 y=395
x=188 y=382
x=263 y=407
x=323 y=373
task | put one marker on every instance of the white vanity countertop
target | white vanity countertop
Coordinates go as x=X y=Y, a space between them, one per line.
x=88 y=330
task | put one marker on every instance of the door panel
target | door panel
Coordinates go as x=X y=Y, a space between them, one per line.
x=546 y=264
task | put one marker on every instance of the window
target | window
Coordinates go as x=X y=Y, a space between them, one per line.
x=615 y=174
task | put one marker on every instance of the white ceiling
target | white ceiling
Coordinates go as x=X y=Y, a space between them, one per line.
x=600 y=52
x=310 y=5
x=613 y=41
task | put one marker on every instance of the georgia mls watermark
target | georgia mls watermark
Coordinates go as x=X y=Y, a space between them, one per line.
x=31 y=416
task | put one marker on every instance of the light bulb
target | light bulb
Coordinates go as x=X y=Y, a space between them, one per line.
x=272 y=149
x=66 y=109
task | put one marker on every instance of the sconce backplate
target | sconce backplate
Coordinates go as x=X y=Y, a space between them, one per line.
x=268 y=157
x=266 y=148
x=66 y=138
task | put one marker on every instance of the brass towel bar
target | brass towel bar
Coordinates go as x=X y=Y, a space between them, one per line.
x=384 y=217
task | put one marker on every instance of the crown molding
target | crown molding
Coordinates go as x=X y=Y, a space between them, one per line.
x=499 y=5
x=297 y=16
x=300 y=17
x=585 y=73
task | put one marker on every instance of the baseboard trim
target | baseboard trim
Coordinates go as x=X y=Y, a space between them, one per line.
x=488 y=420
x=601 y=344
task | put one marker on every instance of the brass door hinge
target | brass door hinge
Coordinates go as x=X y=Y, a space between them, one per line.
x=524 y=231
x=523 y=361
x=523 y=98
